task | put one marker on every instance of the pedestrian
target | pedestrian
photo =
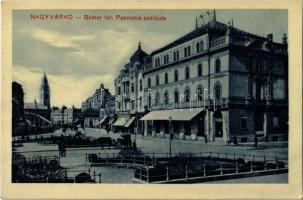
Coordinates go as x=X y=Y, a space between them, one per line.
x=134 y=146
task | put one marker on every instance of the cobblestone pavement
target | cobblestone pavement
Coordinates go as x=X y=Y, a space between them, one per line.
x=161 y=145
x=75 y=159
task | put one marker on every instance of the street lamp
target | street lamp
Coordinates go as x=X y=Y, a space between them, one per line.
x=170 y=136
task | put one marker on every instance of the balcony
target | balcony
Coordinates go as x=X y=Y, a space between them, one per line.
x=218 y=42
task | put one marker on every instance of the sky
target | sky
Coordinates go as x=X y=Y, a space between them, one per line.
x=78 y=55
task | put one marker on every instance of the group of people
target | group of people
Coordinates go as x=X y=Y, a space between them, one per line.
x=62 y=147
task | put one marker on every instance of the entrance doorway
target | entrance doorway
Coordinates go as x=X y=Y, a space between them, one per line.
x=201 y=125
x=218 y=124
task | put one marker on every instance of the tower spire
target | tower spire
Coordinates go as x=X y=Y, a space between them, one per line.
x=214 y=16
x=139 y=45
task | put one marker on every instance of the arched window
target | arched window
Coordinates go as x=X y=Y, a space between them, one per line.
x=176 y=96
x=199 y=69
x=176 y=76
x=218 y=66
x=149 y=82
x=197 y=47
x=166 y=96
x=185 y=51
x=201 y=46
x=140 y=85
x=157 y=80
x=200 y=93
x=187 y=73
x=166 y=78
x=217 y=92
x=157 y=99
x=187 y=94
x=188 y=51
x=177 y=55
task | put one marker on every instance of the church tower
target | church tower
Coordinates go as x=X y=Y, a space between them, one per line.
x=44 y=92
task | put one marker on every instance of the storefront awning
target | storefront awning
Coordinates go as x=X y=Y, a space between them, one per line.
x=129 y=122
x=175 y=115
x=111 y=121
x=120 y=122
x=103 y=119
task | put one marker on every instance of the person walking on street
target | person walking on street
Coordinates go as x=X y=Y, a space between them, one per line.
x=134 y=146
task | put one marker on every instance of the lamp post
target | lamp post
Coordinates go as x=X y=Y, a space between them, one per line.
x=170 y=136
x=35 y=118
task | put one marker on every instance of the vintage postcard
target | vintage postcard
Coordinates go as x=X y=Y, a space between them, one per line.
x=150 y=100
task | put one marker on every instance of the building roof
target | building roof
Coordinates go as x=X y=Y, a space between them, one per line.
x=174 y=115
x=213 y=25
x=138 y=55
x=38 y=106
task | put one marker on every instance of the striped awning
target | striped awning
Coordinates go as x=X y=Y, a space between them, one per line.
x=120 y=122
x=129 y=122
x=174 y=115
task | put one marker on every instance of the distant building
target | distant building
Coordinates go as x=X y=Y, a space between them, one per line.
x=129 y=93
x=95 y=108
x=37 y=108
x=43 y=107
x=45 y=92
x=68 y=116
x=17 y=109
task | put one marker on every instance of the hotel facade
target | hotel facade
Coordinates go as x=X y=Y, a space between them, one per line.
x=216 y=83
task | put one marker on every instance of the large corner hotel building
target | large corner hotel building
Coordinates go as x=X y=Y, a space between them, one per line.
x=223 y=83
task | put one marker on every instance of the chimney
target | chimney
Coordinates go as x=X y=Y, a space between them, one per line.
x=284 y=39
x=269 y=37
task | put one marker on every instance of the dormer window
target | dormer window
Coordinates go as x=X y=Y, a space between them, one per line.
x=157 y=62
x=166 y=59
x=185 y=52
